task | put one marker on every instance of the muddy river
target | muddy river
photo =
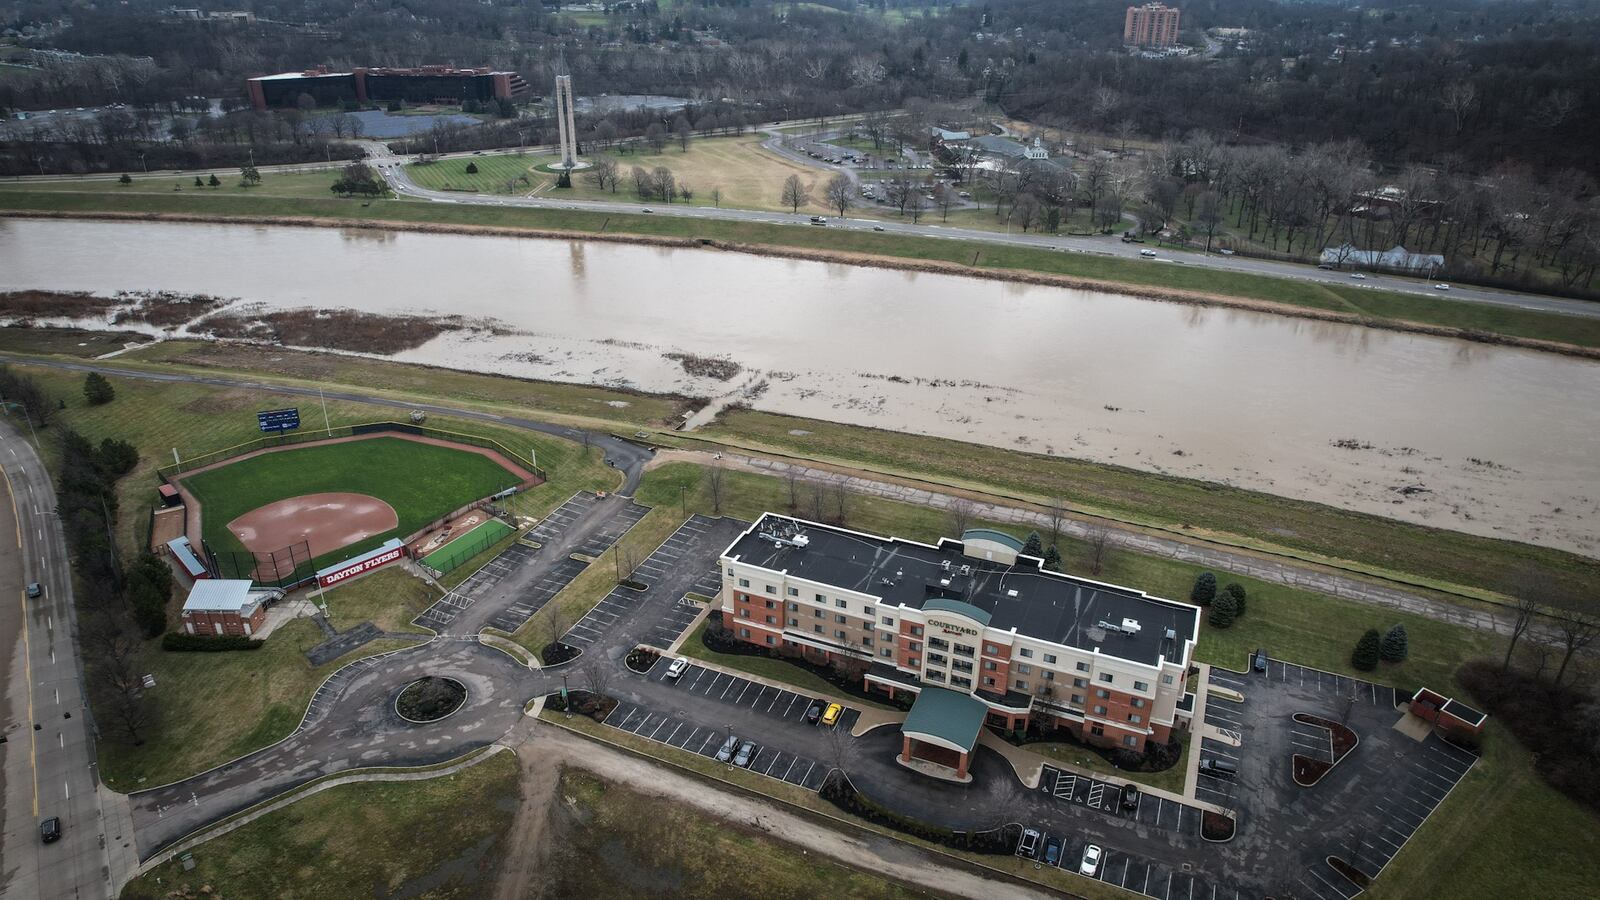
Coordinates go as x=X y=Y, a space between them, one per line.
x=1491 y=440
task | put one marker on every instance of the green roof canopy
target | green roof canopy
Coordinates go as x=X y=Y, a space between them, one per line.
x=949 y=718
x=945 y=604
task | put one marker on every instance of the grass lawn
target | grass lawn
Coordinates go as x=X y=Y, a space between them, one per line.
x=389 y=598
x=1085 y=760
x=493 y=172
x=421 y=481
x=311 y=185
x=212 y=707
x=65 y=341
x=758 y=188
x=610 y=841
x=775 y=669
x=360 y=840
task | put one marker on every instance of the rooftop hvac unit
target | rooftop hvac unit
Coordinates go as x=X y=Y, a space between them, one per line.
x=966 y=570
x=1131 y=626
x=944 y=564
x=1172 y=634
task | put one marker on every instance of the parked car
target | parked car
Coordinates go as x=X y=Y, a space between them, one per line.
x=647 y=209
x=726 y=751
x=1225 y=251
x=747 y=752
x=831 y=717
x=1029 y=845
x=50 y=830
x=1441 y=287
x=35 y=591
x=1148 y=254
x=1358 y=276
x=1218 y=768
x=814 y=711
x=1052 y=852
x=1091 y=861
x=678 y=667
x=1325 y=267
x=965 y=195
x=1258 y=660
x=1130 y=797
x=877 y=228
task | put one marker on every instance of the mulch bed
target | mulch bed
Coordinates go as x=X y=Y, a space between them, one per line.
x=640 y=659
x=556 y=653
x=1356 y=876
x=1216 y=827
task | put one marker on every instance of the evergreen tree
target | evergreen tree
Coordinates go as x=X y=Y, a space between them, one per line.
x=199 y=183
x=97 y=389
x=1396 y=645
x=126 y=179
x=214 y=181
x=1052 y=558
x=1365 y=656
x=1223 y=612
x=1205 y=589
x=117 y=458
x=472 y=168
x=1034 y=546
x=1236 y=591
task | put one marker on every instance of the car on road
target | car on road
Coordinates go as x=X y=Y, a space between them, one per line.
x=1029 y=845
x=678 y=667
x=1358 y=276
x=1225 y=251
x=1148 y=254
x=814 y=711
x=1130 y=797
x=877 y=228
x=647 y=209
x=35 y=591
x=1218 y=768
x=1325 y=267
x=965 y=195
x=747 y=752
x=1091 y=861
x=1052 y=852
x=831 y=717
x=1258 y=660
x=1441 y=287
x=50 y=830
x=726 y=751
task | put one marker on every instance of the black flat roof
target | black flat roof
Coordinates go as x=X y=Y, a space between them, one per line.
x=1047 y=606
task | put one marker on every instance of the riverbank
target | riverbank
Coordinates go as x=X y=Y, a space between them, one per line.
x=1573 y=335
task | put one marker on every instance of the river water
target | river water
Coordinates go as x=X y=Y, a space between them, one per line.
x=1490 y=440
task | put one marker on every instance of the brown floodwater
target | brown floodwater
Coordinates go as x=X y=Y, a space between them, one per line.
x=1491 y=440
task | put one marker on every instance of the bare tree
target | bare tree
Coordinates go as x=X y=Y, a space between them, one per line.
x=1528 y=585
x=627 y=559
x=819 y=500
x=714 y=485
x=1209 y=214
x=598 y=674
x=794 y=194
x=663 y=184
x=1578 y=630
x=841 y=503
x=1459 y=98
x=716 y=197
x=112 y=648
x=602 y=172
x=960 y=515
x=1523 y=610
x=915 y=206
x=1056 y=510
x=1099 y=548
x=555 y=624
x=841 y=193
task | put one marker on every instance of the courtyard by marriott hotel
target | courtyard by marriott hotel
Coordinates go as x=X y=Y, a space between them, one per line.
x=979 y=632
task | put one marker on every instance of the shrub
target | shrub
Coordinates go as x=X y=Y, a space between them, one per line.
x=97 y=389
x=1205 y=589
x=1236 y=591
x=1396 y=644
x=126 y=179
x=1223 y=611
x=1034 y=546
x=1365 y=656
x=117 y=458
x=178 y=642
x=1052 y=558
x=472 y=168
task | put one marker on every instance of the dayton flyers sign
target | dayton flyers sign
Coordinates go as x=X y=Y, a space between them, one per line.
x=388 y=553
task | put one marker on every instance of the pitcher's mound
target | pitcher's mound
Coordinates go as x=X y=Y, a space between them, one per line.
x=324 y=521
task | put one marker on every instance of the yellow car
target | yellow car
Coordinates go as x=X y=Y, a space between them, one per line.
x=831 y=716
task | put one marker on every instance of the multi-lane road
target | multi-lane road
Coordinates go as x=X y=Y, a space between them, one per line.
x=48 y=755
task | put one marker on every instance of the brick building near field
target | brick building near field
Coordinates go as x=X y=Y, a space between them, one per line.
x=424 y=84
x=226 y=606
x=980 y=633
x=1151 y=25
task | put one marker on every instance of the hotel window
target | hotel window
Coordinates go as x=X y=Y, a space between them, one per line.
x=840 y=619
x=1025 y=653
x=1138 y=703
x=866 y=642
x=793 y=622
x=730 y=573
x=961 y=665
x=744 y=613
x=1050 y=658
x=1099 y=710
x=1083 y=667
x=1107 y=677
x=771 y=620
x=841 y=603
x=1022 y=685
x=1024 y=669
x=841 y=635
x=990 y=649
x=1080 y=682
x=914 y=663
x=935 y=659
x=934 y=675
x=1077 y=699
x=816 y=614
x=772 y=589
x=987 y=681
x=938 y=644
x=772 y=604
x=794 y=607
x=989 y=665
x=821 y=599
x=1141 y=685
x=889 y=621
x=794 y=592
x=817 y=629
x=916 y=630
x=1102 y=693
x=958 y=681
x=744 y=582
x=1130 y=741
x=887 y=651
x=1049 y=676
x=867 y=611
x=965 y=650
x=1134 y=718
x=1166 y=679
x=915 y=647
x=744 y=632
x=1097 y=730
x=769 y=640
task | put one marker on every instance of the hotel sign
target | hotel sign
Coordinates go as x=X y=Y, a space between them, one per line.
x=952 y=628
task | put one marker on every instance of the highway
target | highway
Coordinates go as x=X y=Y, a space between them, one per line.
x=48 y=757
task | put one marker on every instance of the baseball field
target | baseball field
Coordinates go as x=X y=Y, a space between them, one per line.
x=342 y=497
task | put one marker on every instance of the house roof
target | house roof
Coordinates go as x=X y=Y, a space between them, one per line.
x=184 y=552
x=219 y=595
x=946 y=717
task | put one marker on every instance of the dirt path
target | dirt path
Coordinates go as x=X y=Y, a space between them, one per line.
x=526 y=849
x=549 y=748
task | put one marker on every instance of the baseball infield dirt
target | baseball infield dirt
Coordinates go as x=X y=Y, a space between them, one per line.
x=324 y=521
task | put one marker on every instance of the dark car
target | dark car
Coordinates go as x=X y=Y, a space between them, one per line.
x=1218 y=768
x=1258 y=660
x=50 y=830
x=1052 y=852
x=814 y=711
x=725 y=752
x=1130 y=797
x=747 y=752
x=35 y=591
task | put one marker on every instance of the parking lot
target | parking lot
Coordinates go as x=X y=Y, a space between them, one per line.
x=705 y=741
x=445 y=610
x=1130 y=871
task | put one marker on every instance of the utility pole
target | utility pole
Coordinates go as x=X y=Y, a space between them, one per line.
x=326 y=427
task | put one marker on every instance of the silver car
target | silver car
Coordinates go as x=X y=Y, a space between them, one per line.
x=725 y=752
x=747 y=752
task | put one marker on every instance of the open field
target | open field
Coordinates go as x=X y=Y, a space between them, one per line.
x=359 y=840
x=389 y=598
x=310 y=184
x=420 y=481
x=610 y=841
x=1110 y=270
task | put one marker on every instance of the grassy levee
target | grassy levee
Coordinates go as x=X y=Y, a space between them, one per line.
x=358 y=840
x=211 y=707
x=1432 y=311
x=1385 y=548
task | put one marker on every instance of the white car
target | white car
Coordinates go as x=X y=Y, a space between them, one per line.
x=1441 y=287
x=1148 y=254
x=1358 y=276
x=678 y=667
x=1091 y=861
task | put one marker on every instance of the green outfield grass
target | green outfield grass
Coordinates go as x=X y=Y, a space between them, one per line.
x=459 y=549
x=421 y=481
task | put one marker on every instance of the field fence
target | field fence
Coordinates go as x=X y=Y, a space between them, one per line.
x=455 y=554
x=286 y=568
